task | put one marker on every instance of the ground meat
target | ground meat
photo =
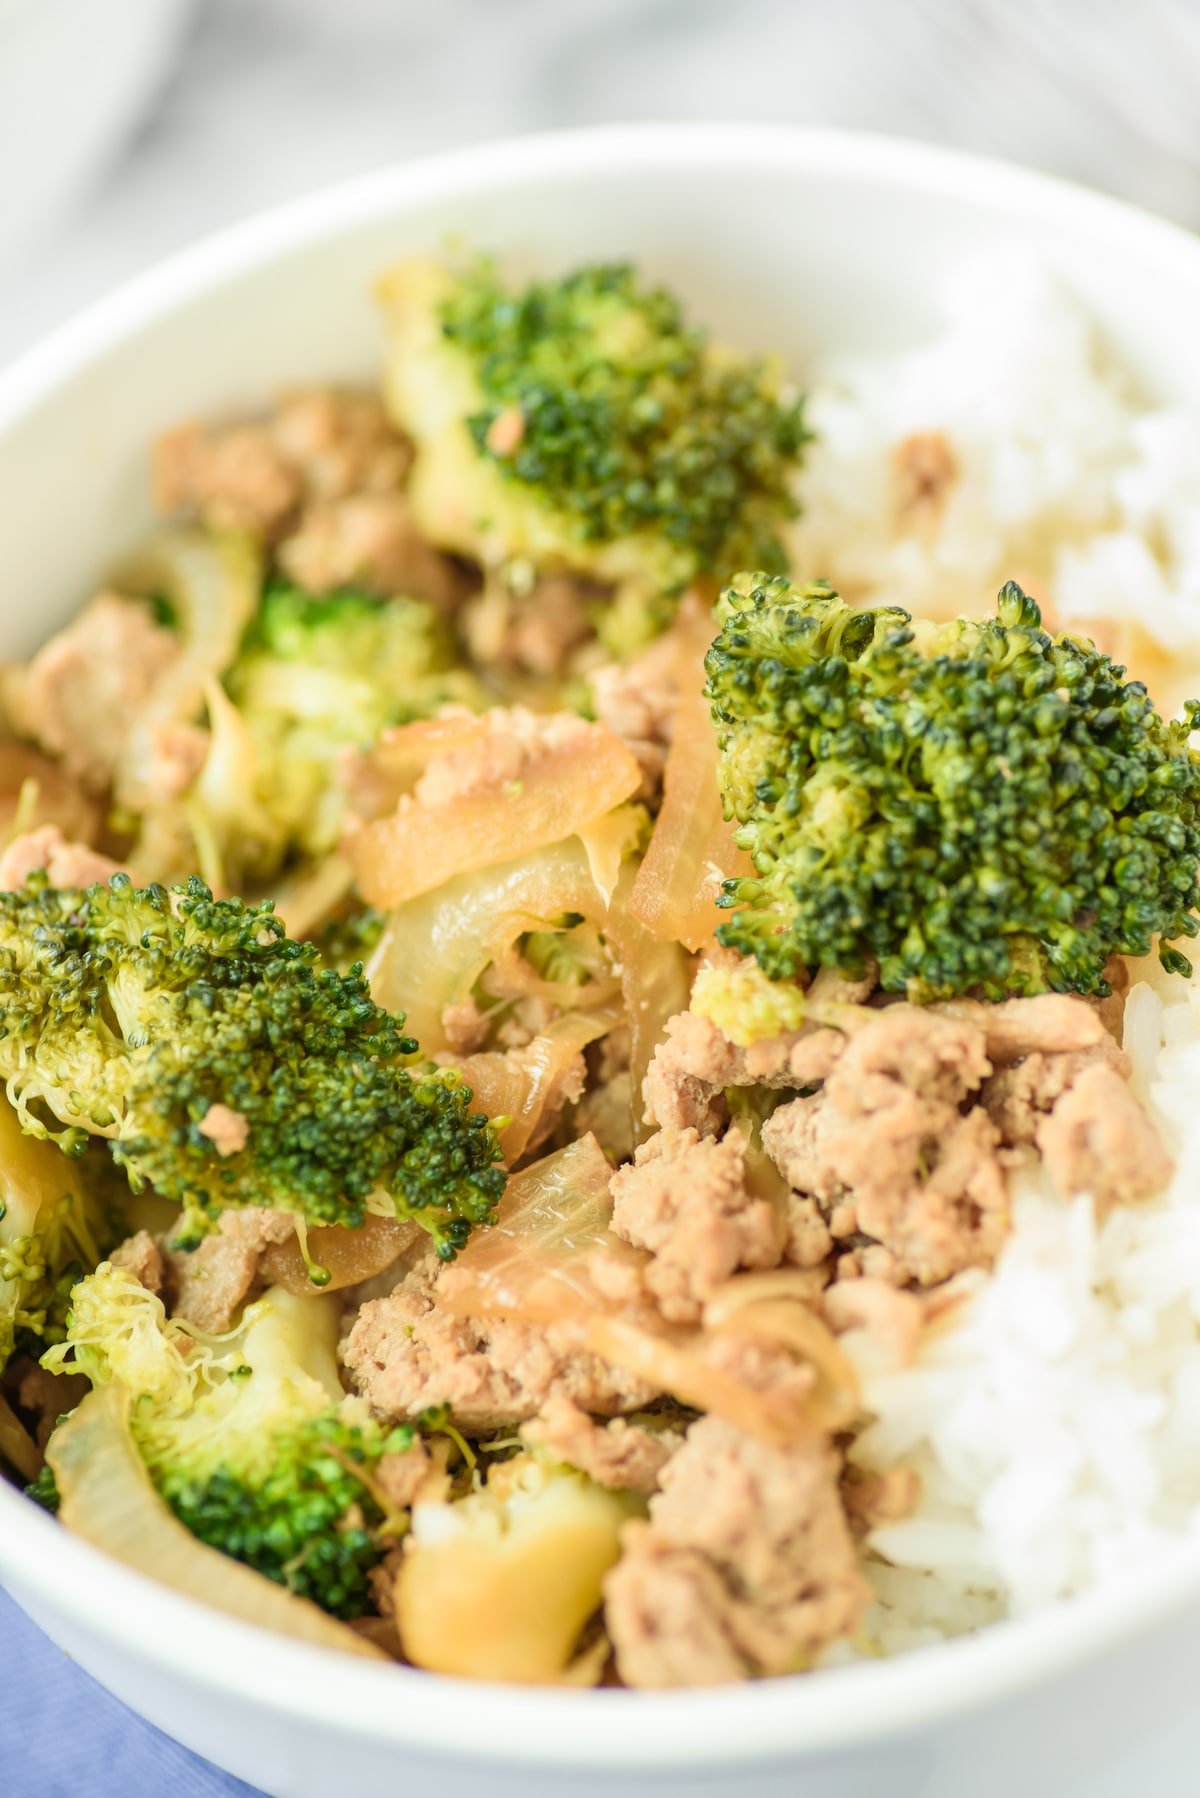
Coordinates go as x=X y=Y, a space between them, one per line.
x=226 y=1129
x=872 y=1499
x=626 y=1456
x=141 y=1255
x=80 y=695
x=208 y=1285
x=65 y=864
x=367 y=540
x=535 y=631
x=745 y=1566
x=45 y=1397
x=809 y=1240
x=694 y=1063
x=340 y=442
x=1020 y=1094
x=885 y=1149
x=403 y=1355
x=234 y=480
x=320 y=445
x=637 y=700
x=684 y=1199
x=895 y=1319
x=924 y=468
x=465 y=1027
x=1098 y=1139
x=401 y=1476
x=500 y=751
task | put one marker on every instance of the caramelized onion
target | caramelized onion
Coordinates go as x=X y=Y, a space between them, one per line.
x=534 y=1262
x=692 y=849
x=655 y=983
x=348 y=1256
x=689 y=1365
x=421 y=845
x=523 y=1085
x=434 y=949
x=107 y=1497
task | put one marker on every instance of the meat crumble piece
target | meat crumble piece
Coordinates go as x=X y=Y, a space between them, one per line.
x=1075 y=1106
x=694 y=1063
x=684 y=1199
x=367 y=540
x=1098 y=1139
x=637 y=700
x=536 y=631
x=208 y=1285
x=81 y=694
x=404 y=1355
x=886 y=1150
x=619 y=1454
x=64 y=864
x=745 y=1567
x=143 y=1258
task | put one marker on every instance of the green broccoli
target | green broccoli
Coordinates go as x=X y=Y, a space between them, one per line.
x=56 y=1223
x=248 y=1436
x=977 y=806
x=317 y=675
x=224 y=1067
x=582 y=423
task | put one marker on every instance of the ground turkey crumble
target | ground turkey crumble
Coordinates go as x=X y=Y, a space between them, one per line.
x=404 y=1355
x=745 y=1566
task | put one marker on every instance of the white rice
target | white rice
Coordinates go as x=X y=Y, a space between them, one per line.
x=1066 y=483
x=1054 y=1416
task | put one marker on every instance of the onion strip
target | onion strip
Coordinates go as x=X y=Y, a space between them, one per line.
x=534 y=1262
x=692 y=849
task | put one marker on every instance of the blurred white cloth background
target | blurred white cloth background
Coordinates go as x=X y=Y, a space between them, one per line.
x=274 y=96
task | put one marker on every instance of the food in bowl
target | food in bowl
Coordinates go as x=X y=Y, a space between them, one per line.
x=624 y=1118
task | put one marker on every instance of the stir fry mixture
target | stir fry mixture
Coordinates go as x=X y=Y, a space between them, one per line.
x=505 y=1012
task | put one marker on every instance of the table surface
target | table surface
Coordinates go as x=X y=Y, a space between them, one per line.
x=271 y=97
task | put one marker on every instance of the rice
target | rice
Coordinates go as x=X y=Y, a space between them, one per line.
x=1053 y=1415
x=1065 y=481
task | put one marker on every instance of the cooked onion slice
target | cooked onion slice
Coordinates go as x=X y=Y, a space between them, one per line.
x=534 y=1262
x=692 y=849
x=523 y=1083
x=821 y=1395
x=107 y=1498
x=212 y=581
x=347 y=1256
x=655 y=983
x=421 y=845
x=434 y=949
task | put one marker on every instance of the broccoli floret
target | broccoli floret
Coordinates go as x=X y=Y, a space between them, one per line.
x=978 y=806
x=318 y=674
x=584 y=423
x=247 y=1436
x=224 y=1066
x=351 y=934
x=44 y=1490
x=56 y=1223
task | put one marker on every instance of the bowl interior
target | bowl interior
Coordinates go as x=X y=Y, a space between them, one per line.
x=804 y=243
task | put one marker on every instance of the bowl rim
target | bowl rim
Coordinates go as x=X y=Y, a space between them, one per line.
x=840 y=1708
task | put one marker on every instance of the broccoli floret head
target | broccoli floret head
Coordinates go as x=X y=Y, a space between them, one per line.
x=979 y=806
x=318 y=674
x=247 y=1436
x=224 y=1066
x=57 y=1220
x=584 y=422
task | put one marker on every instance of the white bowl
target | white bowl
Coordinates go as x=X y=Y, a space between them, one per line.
x=784 y=238
x=75 y=76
